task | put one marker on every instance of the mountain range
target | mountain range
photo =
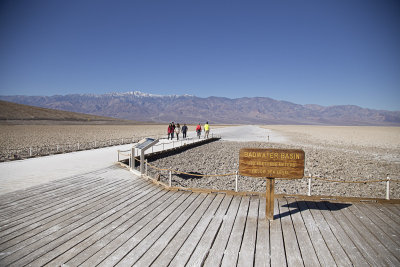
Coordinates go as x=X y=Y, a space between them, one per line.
x=140 y=106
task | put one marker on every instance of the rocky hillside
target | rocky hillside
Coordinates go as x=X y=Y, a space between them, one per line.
x=24 y=114
x=191 y=109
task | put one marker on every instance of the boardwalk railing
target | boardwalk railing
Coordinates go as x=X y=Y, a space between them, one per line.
x=234 y=173
x=36 y=151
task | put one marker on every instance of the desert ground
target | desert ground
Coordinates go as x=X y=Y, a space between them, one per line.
x=19 y=136
x=344 y=154
x=338 y=153
x=357 y=136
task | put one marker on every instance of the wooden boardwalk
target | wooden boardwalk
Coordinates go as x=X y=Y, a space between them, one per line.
x=109 y=217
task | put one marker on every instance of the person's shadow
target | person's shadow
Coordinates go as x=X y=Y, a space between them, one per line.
x=299 y=206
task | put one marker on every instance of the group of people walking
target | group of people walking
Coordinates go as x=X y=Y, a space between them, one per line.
x=176 y=129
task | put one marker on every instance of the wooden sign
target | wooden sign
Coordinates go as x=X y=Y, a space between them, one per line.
x=273 y=163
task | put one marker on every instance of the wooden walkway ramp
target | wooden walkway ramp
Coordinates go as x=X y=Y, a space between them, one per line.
x=109 y=217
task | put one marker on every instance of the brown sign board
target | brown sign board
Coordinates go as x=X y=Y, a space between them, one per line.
x=272 y=163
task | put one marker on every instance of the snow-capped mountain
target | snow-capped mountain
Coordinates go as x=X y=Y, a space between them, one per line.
x=141 y=106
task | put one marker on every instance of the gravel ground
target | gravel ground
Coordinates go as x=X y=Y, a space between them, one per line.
x=336 y=162
x=20 y=136
x=332 y=152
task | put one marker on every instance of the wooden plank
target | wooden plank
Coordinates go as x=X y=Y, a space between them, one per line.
x=278 y=256
x=61 y=254
x=38 y=224
x=394 y=209
x=232 y=249
x=116 y=250
x=306 y=248
x=292 y=250
x=55 y=225
x=379 y=234
x=24 y=209
x=61 y=187
x=323 y=253
x=331 y=241
x=112 y=240
x=48 y=211
x=381 y=223
x=24 y=194
x=349 y=247
x=248 y=247
x=197 y=221
x=383 y=253
x=262 y=256
x=207 y=211
x=217 y=249
x=207 y=239
x=164 y=232
x=367 y=251
x=395 y=218
x=386 y=219
x=22 y=197
x=60 y=236
x=52 y=208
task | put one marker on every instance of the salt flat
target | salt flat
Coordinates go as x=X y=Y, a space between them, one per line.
x=15 y=175
x=385 y=143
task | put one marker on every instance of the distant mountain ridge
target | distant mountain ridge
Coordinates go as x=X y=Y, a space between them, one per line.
x=140 y=106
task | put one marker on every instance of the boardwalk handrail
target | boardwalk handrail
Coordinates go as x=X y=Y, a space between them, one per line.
x=235 y=173
x=50 y=149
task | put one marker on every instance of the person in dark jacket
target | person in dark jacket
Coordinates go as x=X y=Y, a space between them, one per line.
x=184 y=130
x=173 y=130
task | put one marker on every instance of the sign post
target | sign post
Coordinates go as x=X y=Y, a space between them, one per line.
x=271 y=164
x=142 y=146
x=270 y=192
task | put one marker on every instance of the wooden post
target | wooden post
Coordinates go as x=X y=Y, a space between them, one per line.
x=269 y=209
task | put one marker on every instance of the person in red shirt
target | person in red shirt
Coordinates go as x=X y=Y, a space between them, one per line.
x=198 y=130
x=170 y=131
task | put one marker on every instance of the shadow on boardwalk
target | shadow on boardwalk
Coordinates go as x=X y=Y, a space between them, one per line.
x=300 y=206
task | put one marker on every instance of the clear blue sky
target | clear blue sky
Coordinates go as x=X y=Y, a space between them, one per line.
x=308 y=52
